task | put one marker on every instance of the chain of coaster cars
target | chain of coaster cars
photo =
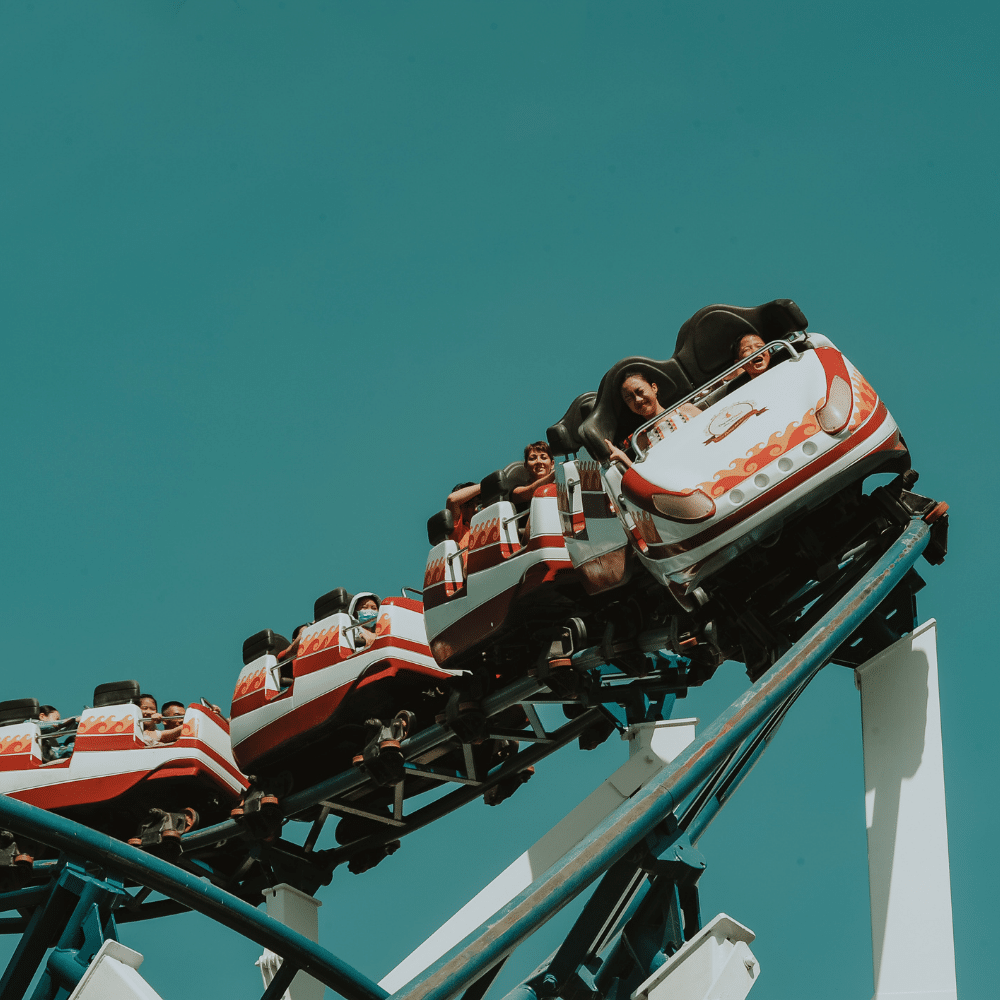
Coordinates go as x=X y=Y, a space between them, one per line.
x=740 y=521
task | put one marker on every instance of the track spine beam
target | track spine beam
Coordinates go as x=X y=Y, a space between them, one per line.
x=638 y=818
x=133 y=865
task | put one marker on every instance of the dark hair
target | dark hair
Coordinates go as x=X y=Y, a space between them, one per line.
x=149 y=696
x=299 y=628
x=460 y=486
x=739 y=340
x=537 y=446
x=644 y=373
x=47 y=709
x=169 y=704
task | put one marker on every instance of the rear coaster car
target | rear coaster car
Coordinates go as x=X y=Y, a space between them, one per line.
x=100 y=771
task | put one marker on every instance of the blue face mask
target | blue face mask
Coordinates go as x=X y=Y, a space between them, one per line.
x=367 y=615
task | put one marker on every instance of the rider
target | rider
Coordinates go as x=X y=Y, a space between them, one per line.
x=54 y=745
x=462 y=502
x=364 y=608
x=151 y=717
x=640 y=395
x=748 y=345
x=541 y=467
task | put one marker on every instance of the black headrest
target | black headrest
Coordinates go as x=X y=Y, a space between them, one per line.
x=563 y=435
x=611 y=418
x=116 y=693
x=263 y=642
x=497 y=485
x=440 y=527
x=706 y=343
x=18 y=710
x=331 y=603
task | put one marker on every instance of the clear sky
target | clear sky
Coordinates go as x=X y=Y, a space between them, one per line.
x=274 y=276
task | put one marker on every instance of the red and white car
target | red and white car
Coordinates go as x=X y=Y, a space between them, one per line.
x=114 y=777
x=472 y=597
x=289 y=715
x=704 y=490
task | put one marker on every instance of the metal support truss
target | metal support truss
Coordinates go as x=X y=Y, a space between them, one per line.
x=643 y=855
x=701 y=779
x=76 y=914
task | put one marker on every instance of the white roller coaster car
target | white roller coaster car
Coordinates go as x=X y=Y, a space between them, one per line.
x=705 y=488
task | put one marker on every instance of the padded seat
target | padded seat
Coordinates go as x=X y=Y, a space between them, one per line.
x=706 y=343
x=116 y=693
x=563 y=436
x=265 y=641
x=18 y=710
x=331 y=603
x=498 y=485
x=612 y=419
x=440 y=526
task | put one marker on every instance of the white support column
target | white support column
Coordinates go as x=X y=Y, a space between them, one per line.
x=294 y=909
x=716 y=964
x=912 y=942
x=112 y=975
x=652 y=745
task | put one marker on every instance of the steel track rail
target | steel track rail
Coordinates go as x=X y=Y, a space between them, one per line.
x=635 y=819
x=129 y=863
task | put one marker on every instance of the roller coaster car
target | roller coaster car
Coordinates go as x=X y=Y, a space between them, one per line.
x=758 y=493
x=517 y=601
x=107 y=776
x=310 y=714
x=508 y=570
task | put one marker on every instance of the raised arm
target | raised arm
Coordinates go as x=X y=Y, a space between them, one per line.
x=459 y=497
x=522 y=493
x=617 y=455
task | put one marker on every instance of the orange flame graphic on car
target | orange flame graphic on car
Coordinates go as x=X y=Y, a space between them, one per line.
x=590 y=477
x=865 y=399
x=646 y=527
x=487 y=533
x=251 y=682
x=434 y=573
x=763 y=454
x=322 y=639
x=15 y=744
x=106 y=725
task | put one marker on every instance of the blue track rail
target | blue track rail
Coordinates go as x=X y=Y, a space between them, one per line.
x=639 y=817
x=89 y=884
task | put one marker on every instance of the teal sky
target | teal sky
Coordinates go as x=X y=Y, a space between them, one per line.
x=274 y=276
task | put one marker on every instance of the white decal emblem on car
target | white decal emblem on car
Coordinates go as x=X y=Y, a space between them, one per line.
x=729 y=419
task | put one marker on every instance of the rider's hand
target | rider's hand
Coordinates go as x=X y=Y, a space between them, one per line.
x=617 y=455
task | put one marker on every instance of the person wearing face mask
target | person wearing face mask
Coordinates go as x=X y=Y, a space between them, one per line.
x=364 y=609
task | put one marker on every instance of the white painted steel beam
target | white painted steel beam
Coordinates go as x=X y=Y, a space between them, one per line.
x=112 y=975
x=912 y=941
x=294 y=909
x=652 y=745
x=716 y=964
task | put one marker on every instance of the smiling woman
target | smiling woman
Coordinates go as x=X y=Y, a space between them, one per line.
x=641 y=396
x=541 y=467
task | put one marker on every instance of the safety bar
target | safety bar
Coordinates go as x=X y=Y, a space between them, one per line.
x=774 y=345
